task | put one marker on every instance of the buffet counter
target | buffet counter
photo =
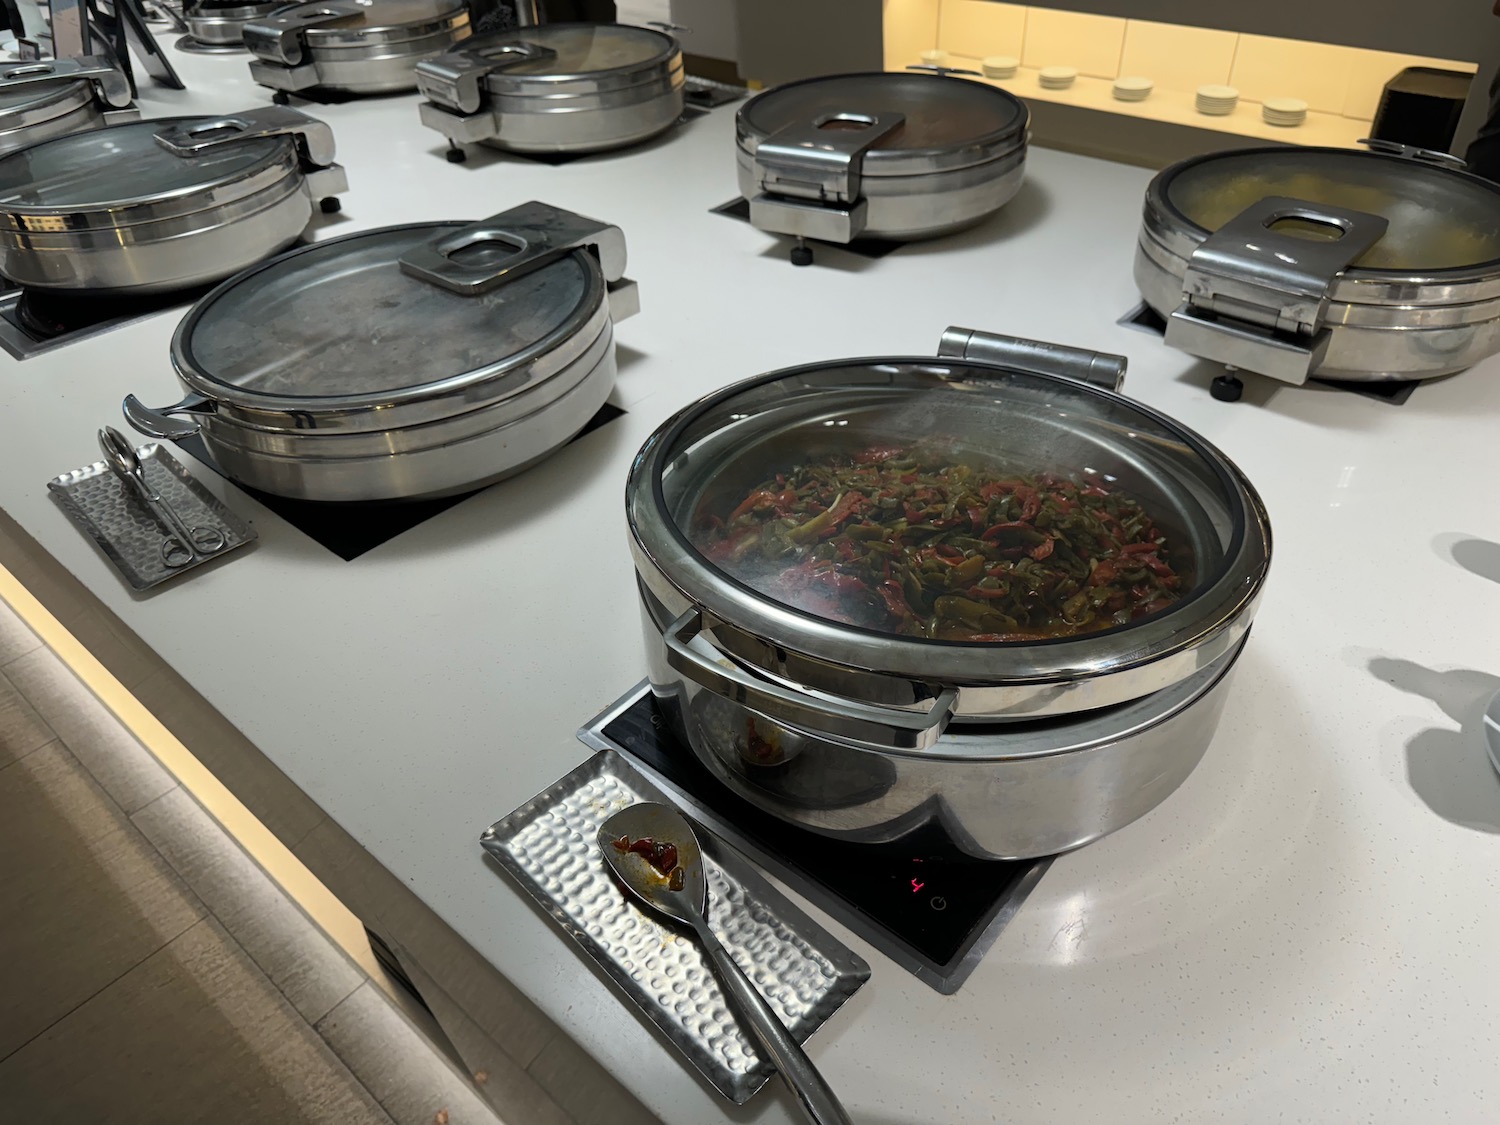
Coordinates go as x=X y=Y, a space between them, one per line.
x=1304 y=931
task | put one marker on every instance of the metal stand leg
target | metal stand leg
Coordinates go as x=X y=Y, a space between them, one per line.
x=456 y=155
x=331 y=205
x=802 y=254
x=1227 y=387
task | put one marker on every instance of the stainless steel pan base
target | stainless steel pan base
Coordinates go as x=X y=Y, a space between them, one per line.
x=907 y=208
x=1000 y=791
x=1366 y=343
x=441 y=458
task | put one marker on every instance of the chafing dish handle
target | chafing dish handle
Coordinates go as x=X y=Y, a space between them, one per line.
x=846 y=720
x=1102 y=369
x=159 y=423
x=280 y=37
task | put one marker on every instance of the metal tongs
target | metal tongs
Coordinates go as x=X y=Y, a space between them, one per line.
x=183 y=545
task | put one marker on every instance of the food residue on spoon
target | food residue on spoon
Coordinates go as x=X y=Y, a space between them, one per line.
x=660 y=854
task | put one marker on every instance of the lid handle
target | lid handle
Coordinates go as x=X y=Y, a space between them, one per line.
x=1261 y=283
x=1415 y=152
x=281 y=36
x=530 y=236
x=456 y=79
x=933 y=68
x=110 y=86
x=1099 y=369
x=313 y=138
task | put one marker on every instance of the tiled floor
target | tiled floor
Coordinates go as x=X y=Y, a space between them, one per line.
x=150 y=971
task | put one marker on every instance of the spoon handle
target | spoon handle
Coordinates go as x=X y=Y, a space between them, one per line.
x=818 y=1102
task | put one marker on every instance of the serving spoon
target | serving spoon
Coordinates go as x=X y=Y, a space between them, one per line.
x=685 y=900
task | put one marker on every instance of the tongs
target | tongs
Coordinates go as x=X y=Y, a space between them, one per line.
x=183 y=545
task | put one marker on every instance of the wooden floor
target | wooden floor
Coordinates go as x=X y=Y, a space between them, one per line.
x=150 y=971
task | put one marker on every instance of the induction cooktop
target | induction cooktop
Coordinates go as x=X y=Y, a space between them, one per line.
x=928 y=906
x=33 y=322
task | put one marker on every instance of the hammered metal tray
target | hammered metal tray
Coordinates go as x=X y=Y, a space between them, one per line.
x=548 y=846
x=118 y=520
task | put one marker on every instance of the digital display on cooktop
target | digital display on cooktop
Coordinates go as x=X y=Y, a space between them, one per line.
x=921 y=900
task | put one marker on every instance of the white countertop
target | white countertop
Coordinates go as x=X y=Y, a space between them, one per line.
x=1308 y=930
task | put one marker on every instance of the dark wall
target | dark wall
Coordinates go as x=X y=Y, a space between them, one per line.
x=781 y=40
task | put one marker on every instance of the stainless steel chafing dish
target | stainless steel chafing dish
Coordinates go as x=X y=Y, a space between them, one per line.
x=403 y=362
x=807 y=691
x=352 y=46
x=571 y=87
x=54 y=97
x=220 y=26
x=895 y=156
x=167 y=204
x=1336 y=263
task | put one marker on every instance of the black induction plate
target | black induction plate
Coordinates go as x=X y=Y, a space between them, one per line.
x=925 y=904
x=739 y=208
x=1144 y=318
x=350 y=530
x=71 y=319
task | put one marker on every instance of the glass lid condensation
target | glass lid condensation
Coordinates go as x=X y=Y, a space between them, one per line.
x=1009 y=508
x=1438 y=219
x=581 y=48
x=941 y=113
x=69 y=171
x=342 y=319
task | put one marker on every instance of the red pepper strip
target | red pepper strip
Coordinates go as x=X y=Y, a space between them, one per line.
x=1042 y=549
x=1093 y=490
x=981 y=592
x=913 y=515
x=879 y=453
x=994 y=533
x=1139 y=548
x=895 y=599
x=1031 y=503
x=1106 y=572
x=758 y=499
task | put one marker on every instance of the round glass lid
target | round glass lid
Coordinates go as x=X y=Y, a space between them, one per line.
x=70 y=171
x=942 y=114
x=578 y=48
x=340 y=322
x=945 y=502
x=1439 y=219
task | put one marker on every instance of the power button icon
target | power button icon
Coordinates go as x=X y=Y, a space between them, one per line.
x=938 y=903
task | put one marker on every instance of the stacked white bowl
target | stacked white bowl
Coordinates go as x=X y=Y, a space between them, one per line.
x=935 y=58
x=1217 y=101
x=1286 y=112
x=1000 y=66
x=1133 y=89
x=1057 y=77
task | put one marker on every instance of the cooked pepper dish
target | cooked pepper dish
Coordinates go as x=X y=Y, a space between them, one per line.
x=907 y=540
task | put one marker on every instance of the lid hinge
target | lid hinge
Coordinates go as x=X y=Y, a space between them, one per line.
x=312 y=138
x=1100 y=369
x=527 y=238
x=281 y=37
x=1255 y=297
x=456 y=79
x=808 y=175
x=111 y=87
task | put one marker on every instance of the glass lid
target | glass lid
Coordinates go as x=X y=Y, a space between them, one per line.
x=65 y=172
x=579 y=48
x=340 y=322
x=950 y=502
x=379 y=15
x=1439 y=219
x=942 y=114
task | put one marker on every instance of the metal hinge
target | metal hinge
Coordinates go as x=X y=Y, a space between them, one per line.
x=1255 y=297
x=808 y=175
x=456 y=78
x=110 y=85
x=1100 y=369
